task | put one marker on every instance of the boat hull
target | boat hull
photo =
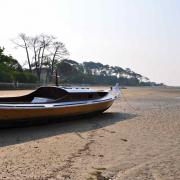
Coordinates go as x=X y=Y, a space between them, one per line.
x=49 y=112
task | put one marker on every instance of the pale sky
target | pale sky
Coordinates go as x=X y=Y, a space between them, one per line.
x=143 y=35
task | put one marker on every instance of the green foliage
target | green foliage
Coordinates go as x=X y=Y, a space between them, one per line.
x=9 y=61
x=5 y=74
x=97 y=73
x=24 y=77
x=66 y=69
x=11 y=70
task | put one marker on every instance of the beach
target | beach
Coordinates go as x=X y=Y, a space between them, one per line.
x=138 y=138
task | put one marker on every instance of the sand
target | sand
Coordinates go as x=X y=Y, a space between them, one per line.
x=137 y=138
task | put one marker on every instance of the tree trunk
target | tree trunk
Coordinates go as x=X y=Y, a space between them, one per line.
x=27 y=54
x=52 y=64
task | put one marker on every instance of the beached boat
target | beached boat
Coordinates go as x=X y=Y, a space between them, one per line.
x=56 y=101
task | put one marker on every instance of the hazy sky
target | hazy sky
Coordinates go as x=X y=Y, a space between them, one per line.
x=143 y=35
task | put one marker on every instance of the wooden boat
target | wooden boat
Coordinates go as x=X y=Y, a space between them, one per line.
x=56 y=102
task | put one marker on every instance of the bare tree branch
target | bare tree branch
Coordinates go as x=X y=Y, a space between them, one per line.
x=46 y=51
x=24 y=44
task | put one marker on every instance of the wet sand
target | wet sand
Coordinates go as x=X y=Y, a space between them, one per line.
x=137 y=138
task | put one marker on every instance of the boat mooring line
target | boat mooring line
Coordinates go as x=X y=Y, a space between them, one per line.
x=127 y=102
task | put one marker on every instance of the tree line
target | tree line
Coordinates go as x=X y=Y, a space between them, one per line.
x=46 y=56
x=98 y=74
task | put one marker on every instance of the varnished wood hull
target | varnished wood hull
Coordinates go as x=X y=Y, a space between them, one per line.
x=49 y=112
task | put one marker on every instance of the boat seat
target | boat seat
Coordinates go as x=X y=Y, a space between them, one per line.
x=41 y=100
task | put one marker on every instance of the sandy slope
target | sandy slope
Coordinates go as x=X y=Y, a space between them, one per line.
x=135 y=140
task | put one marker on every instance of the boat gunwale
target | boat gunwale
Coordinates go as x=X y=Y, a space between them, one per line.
x=57 y=105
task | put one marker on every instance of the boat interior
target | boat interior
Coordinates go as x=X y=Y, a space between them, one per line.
x=45 y=95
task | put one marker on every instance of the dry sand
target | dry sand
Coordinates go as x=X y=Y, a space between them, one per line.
x=138 y=139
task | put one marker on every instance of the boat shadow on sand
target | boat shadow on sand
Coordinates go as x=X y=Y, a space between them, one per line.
x=23 y=132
